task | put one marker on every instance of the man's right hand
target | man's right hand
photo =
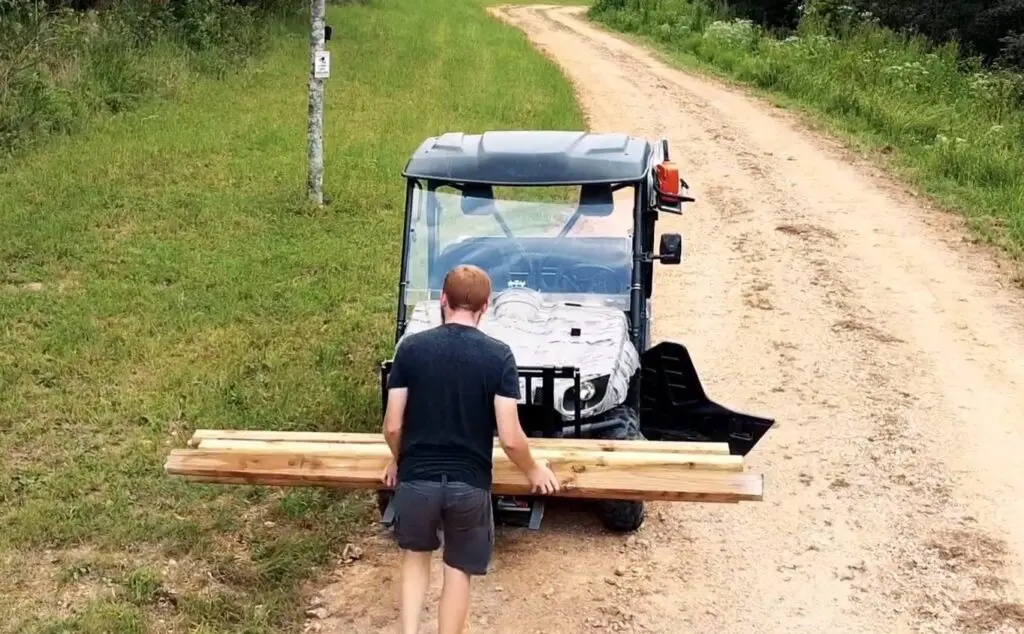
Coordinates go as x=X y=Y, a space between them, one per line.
x=517 y=446
x=390 y=475
x=542 y=480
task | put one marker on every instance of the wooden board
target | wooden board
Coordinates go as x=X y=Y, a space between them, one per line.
x=498 y=489
x=590 y=444
x=600 y=475
x=623 y=459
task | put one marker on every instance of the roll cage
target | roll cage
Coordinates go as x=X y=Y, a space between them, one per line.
x=658 y=187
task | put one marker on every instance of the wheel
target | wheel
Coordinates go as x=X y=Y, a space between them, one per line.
x=622 y=516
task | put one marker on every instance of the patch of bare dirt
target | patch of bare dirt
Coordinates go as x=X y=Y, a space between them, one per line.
x=806 y=231
x=816 y=291
x=60 y=581
x=61 y=584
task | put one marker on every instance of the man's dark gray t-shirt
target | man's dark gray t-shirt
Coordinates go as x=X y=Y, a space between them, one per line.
x=453 y=373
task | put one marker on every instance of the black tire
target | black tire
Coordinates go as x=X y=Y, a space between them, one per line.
x=622 y=516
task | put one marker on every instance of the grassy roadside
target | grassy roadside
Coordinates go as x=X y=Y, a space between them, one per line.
x=955 y=133
x=162 y=272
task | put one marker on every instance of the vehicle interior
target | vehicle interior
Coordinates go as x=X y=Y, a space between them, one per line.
x=559 y=264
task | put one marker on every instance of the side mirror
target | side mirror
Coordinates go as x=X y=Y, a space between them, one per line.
x=670 y=251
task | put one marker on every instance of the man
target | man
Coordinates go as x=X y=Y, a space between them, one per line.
x=449 y=388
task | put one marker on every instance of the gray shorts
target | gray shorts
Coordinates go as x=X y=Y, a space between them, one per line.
x=463 y=512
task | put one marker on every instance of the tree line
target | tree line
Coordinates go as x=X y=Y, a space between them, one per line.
x=990 y=29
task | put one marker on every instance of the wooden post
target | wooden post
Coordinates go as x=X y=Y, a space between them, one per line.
x=318 y=71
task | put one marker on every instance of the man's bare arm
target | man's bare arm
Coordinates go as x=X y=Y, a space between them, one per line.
x=393 y=417
x=510 y=434
x=517 y=447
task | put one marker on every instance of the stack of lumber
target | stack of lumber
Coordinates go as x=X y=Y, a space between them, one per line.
x=586 y=468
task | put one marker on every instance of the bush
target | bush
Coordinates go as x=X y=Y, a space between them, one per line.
x=987 y=28
x=60 y=64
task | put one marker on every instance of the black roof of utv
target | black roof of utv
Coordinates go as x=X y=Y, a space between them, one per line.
x=528 y=157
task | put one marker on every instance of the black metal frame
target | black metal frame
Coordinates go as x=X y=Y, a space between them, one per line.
x=645 y=218
x=552 y=424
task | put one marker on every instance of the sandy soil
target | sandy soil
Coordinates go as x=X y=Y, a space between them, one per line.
x=890 y=350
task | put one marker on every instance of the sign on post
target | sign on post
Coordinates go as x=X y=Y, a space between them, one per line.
x=322 y=65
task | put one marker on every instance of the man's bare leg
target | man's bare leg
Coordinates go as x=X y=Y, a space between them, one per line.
x=415 y=581
x=454 y=604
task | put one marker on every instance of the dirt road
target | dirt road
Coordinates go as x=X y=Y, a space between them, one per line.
x=889 y=349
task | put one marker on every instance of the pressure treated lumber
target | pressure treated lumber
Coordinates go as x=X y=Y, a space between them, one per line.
x=601 y=475
x=587 y=444
x=382 y=452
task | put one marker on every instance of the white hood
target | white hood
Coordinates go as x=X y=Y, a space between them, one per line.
x=541 y=333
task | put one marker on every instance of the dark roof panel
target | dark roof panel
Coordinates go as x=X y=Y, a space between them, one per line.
x=530 y=158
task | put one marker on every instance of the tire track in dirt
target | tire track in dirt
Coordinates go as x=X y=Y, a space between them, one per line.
x=817 y=293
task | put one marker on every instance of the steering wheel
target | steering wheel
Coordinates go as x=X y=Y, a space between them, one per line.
x=601 y=279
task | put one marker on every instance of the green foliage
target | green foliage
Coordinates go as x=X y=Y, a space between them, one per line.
x=953 y=127
x=99 y=617
x=982 y=27
x=60 y=67
x=142 y=586
x=991 y=29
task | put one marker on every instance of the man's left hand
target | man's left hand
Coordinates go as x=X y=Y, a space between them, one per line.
x=390 y=476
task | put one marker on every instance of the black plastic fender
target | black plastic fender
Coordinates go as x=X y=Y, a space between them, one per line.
x=674 y=406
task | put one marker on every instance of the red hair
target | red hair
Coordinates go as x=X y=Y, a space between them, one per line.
x=467 y=287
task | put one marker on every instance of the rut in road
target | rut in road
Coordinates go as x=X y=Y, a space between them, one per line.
x=889 y=350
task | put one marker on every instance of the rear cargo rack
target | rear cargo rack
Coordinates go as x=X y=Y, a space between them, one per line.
x=540 y=399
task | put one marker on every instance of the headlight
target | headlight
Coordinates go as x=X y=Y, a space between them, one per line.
x=591 y=393
x=587 y=391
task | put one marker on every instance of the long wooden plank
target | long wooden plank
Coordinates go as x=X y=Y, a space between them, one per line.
x=625 y=459
x=593 y=444
x=501 y=489
x=606 y=476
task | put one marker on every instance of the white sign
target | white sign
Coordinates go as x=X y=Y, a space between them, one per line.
x=322 y=65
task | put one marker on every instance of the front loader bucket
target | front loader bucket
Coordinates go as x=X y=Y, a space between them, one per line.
x=673 y=405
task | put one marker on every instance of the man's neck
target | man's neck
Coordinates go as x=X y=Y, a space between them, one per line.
x=461 y=318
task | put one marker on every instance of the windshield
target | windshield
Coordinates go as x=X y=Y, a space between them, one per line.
x=570 y=247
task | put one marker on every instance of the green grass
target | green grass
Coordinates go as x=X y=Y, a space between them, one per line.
x=162 y=272
x=947 y=127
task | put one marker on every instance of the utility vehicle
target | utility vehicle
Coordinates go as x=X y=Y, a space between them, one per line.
x=572 y=284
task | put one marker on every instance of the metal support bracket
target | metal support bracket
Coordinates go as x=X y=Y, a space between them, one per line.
x=536 y=514
x=388 y=518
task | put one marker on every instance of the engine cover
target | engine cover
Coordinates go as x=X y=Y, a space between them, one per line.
x=594 y=339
